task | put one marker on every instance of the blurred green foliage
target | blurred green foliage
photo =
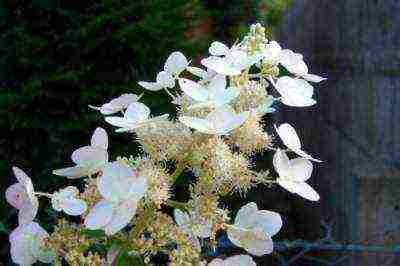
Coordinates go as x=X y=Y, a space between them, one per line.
x=58 y=56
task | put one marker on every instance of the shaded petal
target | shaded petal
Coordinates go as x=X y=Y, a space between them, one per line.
x=193 y=89
x=122 y=215
x=137 y=112
x=28 y=212
x=289 y=137
x=99 y=139
x=218 y=49
x=73 y=172
x=253 y=241
x=176 y=63
x=305 y=155
x=165 y=79
x=89 y=156
x=199 y=124
x=16 y=195
x=301 y=188
x=99 y=216
x=151 y=86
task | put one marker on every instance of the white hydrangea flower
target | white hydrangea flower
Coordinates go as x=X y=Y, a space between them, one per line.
x=220 y=121
x=295 y=64
x=295 y=92
x=27 y=245
x=65 y=200
x=119 y=182
x=237 y=260
x=289 y=137
x=176 y=63
x=121 y=187
x=116 y=105
x=229 y=61
x=191 y=225
x=253 y=229
x=272 y=53
x=214 y=94
x=293 y=174
x=22 y=197
x=111 y=216
x=137 y=115
x=88 y=159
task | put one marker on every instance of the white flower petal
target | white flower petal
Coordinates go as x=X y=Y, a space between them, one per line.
x=193 y=89
x=28 y=212
x=176 y=63
x=119 y=122
x=26 y=244
x=306 y=155
x=253 y=241
x=239 y=260
x=73 y=172
x=289 y=137
x=313 y=78
x=201 y=73
x=165 y=79
x=89 y=156
x=218 y=49
x=137 y=112
x=119 y=182
x=295 y=92
x=220 y=65
x=99 y=216
x=151 y=86
x=122 y=214
x=199 y=124
x=301 y=188
x=16 y=195
x=99 y=139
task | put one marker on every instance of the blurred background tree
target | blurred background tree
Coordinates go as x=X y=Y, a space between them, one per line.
x=59 y=56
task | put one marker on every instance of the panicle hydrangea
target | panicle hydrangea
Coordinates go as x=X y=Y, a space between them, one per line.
x=132 y=206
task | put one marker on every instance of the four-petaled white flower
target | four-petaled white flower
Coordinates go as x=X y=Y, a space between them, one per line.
x=176 y=63
x=289 y=137
x=121 y=187
x=88 y=159
x=21 y=196
x=120 y=182
x=27 y=245
x=295 y=92
x=229 y=61
x=65 y=200
x=116 y=105
x=237 y=260
x=213 y=94
x=219 y=122
x=295 y=64
x=193 y=226
x=111 y=216
x=253 y=229
x=293 y=175
x=137 y=115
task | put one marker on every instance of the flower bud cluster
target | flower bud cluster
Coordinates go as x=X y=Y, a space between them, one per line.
x=131 y=201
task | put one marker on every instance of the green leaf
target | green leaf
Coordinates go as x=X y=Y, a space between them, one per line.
x=124 y=258
x=3 y=228
x=94 y=233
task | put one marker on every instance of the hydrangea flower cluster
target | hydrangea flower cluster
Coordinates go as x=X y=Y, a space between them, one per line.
x=129 y=206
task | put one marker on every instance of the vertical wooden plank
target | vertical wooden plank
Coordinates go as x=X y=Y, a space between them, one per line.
x=355 y=126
